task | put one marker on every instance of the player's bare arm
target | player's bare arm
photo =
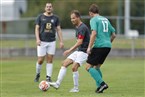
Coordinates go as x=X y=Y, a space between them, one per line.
x=37 y=35
x=59 y=33
x=78 y=43
x=92 y=39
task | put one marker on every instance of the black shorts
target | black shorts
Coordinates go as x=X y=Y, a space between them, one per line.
x=98 y=56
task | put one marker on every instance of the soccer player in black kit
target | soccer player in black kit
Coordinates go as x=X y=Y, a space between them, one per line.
x=47 y=24
x=76 y=57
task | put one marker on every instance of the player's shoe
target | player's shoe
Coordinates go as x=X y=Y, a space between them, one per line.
x=37 y=77
x=54 y=84
x=98 y=90
x=48 y=79
x=103 y=87
x=74 y=90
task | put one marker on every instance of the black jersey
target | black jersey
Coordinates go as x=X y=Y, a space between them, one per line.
x=83 y=32
x=48 y=26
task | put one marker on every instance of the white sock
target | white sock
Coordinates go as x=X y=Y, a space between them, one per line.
x=38 y=68
x=61 y=75
x=49 y=69
x=76 y=79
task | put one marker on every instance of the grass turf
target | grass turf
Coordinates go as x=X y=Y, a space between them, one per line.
x=121 y=43
x=125 y=77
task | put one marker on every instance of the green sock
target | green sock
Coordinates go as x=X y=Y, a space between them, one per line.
x=95 y=74
x=98 y=69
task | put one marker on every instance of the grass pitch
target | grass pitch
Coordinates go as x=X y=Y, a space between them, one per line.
x=124 y=76
x=121 y=43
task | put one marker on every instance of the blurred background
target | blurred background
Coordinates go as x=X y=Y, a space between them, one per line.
x=17 y=22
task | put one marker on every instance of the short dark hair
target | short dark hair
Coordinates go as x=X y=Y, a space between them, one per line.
x=94 y=8
x=76 y=12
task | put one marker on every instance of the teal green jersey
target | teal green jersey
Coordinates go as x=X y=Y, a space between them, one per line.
x=104 y=30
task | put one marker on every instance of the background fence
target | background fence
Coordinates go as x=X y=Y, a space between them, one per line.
x=18 y=39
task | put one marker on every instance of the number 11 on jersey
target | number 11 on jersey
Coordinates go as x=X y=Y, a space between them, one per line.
x=105 y=26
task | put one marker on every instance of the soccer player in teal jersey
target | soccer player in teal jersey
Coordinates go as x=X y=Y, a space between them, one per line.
x=47 y=25
x=76 y=57
x=102 y=35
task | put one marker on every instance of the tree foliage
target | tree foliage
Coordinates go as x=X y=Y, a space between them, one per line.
x=107 y=8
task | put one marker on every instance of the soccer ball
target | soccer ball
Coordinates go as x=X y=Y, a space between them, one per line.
x=44 y=85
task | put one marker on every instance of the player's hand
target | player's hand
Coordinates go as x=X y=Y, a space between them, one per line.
x=38 y=42
x=89 y=51
x=61 y=45
x=66 y=52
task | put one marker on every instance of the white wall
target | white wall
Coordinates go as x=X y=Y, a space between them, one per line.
x=10 y=9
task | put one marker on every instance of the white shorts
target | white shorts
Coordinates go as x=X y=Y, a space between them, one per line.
x=78 y=57
x=46 y=48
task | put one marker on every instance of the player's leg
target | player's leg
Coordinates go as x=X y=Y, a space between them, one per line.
x=38 y=68
x=98 y=90
x=49 y=59
x=63 y=70
x=81 y=57
x=101 y=85
x=92 y=62
x=96 y=58
x=95 y=74
x=49 y=67
x=69 y=60
x=98 y=69
x=75 y=73
x=62 y=73
x=41 y=52
x=103 y=54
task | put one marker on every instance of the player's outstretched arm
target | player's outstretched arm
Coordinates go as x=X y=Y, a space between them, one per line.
x=75 y=46
x=59 y=33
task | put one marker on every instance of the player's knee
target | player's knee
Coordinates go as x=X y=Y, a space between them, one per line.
x=74 y=69
x=49 y=61
x=64 y=64
x=40 y=61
